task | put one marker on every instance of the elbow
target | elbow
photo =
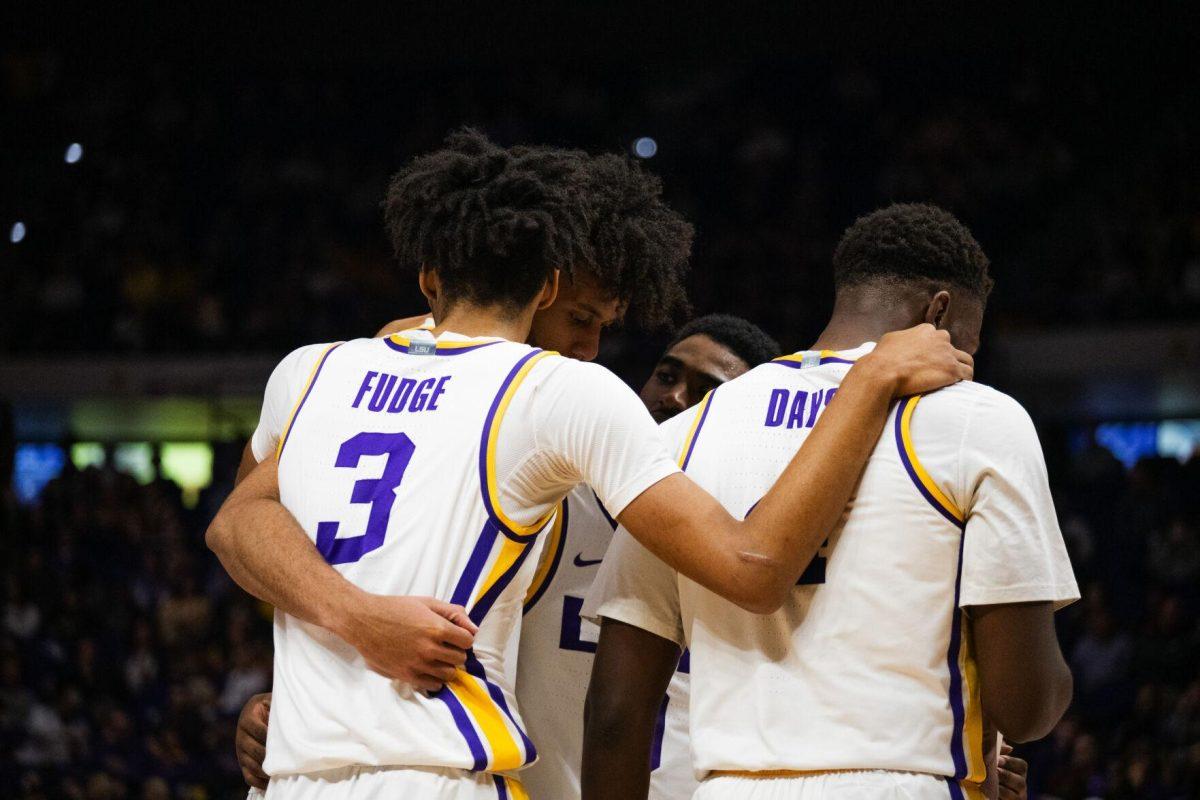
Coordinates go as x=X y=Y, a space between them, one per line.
x=606 y=717
x=1033 y=715
x=760 y=596
x=216 y=535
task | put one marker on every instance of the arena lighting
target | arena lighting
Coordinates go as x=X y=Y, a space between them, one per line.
x=645 y=147
x=74 y=153
x=17 y=233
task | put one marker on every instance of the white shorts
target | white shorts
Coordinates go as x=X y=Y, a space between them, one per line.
x=865 y=785
x=395 y=783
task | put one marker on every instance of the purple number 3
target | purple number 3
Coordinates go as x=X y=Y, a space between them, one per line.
x=379 y=492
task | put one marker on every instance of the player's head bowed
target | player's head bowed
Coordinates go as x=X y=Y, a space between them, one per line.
x=494 y=222
x=912 y=242
x=640 y=244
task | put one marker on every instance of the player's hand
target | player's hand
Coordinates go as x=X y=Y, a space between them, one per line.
x=420 y=641
x=250 y=742
x=1012 y=772
x=918 y=360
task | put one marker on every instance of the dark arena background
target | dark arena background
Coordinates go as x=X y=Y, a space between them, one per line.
x=190 y=192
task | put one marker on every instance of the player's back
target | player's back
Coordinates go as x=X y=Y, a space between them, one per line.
x=387 y=465
x=869 y=664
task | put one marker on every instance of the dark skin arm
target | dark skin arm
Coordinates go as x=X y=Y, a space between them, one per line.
x=1024 y=683
x=629 y=677
x=250 y=742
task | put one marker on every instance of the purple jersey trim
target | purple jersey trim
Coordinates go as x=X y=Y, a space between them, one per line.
x=483 y=452
x=555 y=559
x=475 y=565
x=912 y=473
x=485 y=603
x=304 y=399
x=475 y=668
x=439 y=351
x=612 y=522
x=696 y=433
x=463 y=722
x=783 y=362
x=957 y=751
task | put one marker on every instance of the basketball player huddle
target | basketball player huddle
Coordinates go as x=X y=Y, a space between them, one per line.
x=830 y=573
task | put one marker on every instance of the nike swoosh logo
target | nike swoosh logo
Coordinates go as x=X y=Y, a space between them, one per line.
x=580 y=561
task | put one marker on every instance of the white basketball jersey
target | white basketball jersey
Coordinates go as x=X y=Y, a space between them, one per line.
x=869 y=665
x=394 y=465
x=557 y=648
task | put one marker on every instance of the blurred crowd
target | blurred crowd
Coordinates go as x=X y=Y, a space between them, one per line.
x=220 y=208
x=125 y=652
x=228 y=210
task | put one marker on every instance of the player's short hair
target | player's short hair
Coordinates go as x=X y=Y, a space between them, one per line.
x=494 y=222
x=911 y=241
x=741 y=337
x=640 y=244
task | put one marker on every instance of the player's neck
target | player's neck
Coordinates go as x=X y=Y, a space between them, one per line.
x=847 y=331
x=485 y=321
x=864 y=315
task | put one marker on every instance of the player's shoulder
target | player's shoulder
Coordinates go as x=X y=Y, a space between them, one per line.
x=299 y=363
x=974 y=399
x=973 y=414
x=574 y=376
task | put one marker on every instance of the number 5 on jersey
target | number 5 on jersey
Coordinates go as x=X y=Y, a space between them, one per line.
x=379 y=492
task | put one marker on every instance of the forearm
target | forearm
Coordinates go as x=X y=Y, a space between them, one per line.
x=629 y=679
x=792 y=520
x=268 y=554
x=616 y=762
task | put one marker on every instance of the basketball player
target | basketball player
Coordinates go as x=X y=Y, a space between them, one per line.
x=641 y=247
x=928 y=610
x=556 y=645
x=464 y=430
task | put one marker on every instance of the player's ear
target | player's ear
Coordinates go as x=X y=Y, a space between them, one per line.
x=935 y=312
x=431 y=286
x=549 y=292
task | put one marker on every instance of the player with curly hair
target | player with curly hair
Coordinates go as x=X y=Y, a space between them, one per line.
x=925 y=623
x=393 y=528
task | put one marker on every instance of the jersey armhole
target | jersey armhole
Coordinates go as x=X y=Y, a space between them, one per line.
x=922 y=480
x=489 y=484
x=313 y=374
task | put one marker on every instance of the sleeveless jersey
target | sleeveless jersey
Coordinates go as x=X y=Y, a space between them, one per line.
x=869 y=666
x=557 y=648
x=394 y=463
